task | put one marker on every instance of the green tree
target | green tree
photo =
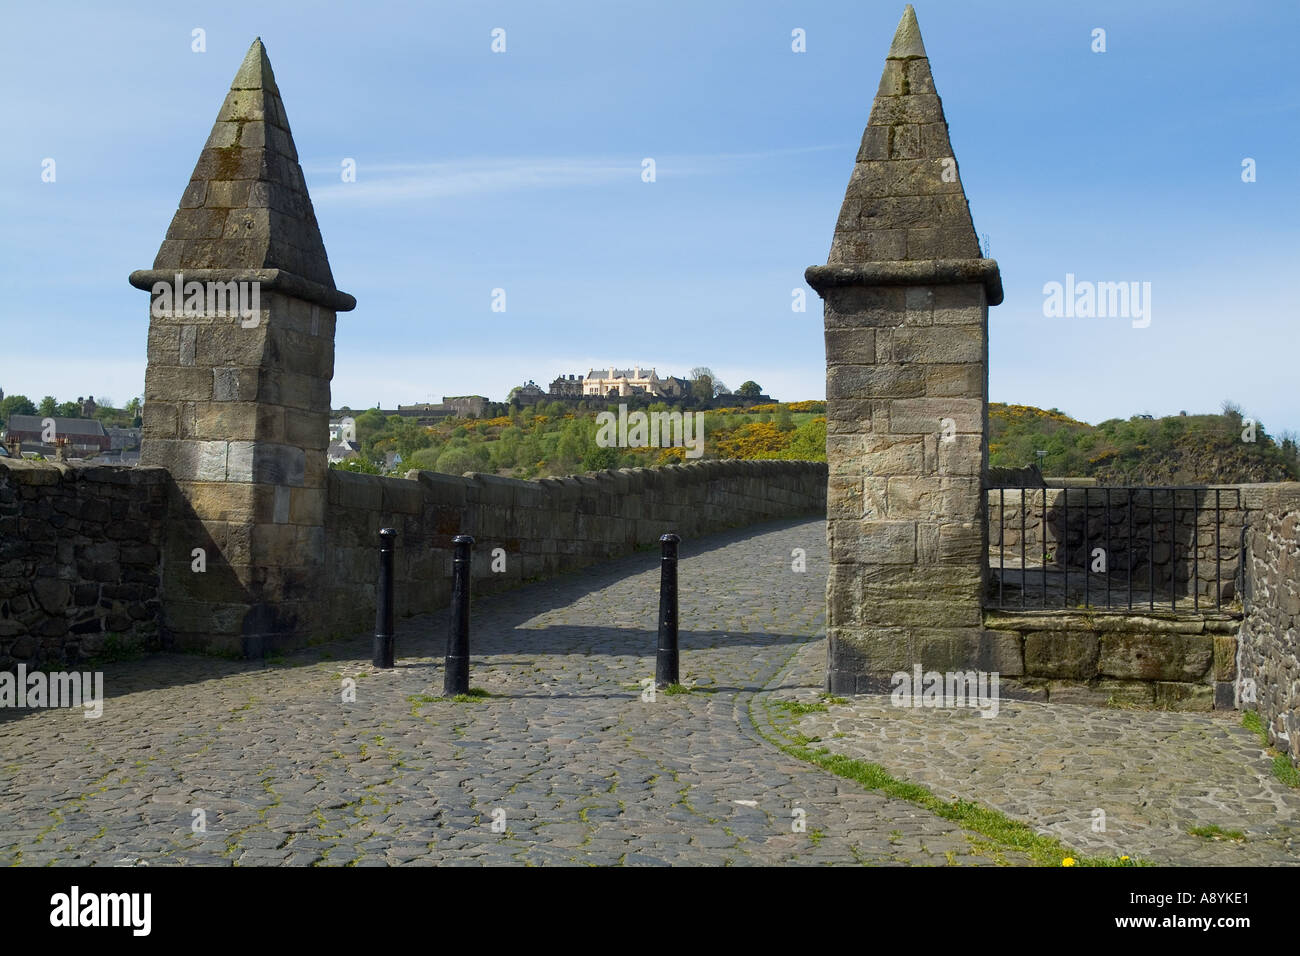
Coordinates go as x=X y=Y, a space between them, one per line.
x=600 y=459
x=750 y=389
x=48 y=406
x=457 y=460
x=426 y=459
x=369 y=423
x=16 y=405
x=359 y=465
x=571 y=448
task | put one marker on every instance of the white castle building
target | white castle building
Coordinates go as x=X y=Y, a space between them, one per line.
x=632 y=381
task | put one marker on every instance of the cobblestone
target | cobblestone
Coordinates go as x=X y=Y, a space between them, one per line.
x=574 y=767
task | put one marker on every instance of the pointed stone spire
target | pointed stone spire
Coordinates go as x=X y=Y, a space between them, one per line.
x=906 y=299
x=246 y=207
x=237 y=386
x=907 y=38
x=904 y=201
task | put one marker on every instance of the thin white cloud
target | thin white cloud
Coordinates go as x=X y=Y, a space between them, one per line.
x=381 y=183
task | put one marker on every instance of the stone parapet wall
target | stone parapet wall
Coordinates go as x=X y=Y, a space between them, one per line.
x=1270 y=634
x=542 y=528
x=80 y=560
x=1170 y=661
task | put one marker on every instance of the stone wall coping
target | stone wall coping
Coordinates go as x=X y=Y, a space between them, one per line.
x=617 y=482
x=1205 y=622
x=271 y=280
x=907 y=272
x=29 y=472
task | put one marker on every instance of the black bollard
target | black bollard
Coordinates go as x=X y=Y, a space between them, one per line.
x=383 y=656
x=666 y=658
x=456 y=669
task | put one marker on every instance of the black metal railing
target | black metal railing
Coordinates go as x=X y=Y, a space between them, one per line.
x=1113 y=547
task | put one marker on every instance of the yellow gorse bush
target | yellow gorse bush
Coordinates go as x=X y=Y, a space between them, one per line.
x=752 y=440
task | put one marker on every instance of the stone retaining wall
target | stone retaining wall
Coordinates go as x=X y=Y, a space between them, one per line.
x=80 y=560
x=1173 y=661
x=1269 y=657
x=542 y=528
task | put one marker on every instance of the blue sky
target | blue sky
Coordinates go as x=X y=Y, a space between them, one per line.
x=522 y=171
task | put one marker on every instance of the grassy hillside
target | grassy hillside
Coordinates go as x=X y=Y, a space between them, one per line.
x=553 y=439
x=1178 y=449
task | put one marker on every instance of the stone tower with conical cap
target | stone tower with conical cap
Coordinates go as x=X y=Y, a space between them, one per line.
x=906 y=296
x=237 y=387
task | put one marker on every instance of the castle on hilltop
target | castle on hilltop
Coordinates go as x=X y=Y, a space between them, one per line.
x=619 y=382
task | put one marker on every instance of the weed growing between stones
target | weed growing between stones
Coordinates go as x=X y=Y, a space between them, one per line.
x=1283 y=768
x=1215 y=832
x=476 y=695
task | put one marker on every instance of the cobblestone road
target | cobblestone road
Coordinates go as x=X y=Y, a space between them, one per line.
x=577 y=767
x=564 y=755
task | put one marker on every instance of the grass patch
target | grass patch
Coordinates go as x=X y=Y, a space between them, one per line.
x=1255 y=724
x=1213 y=832
x=475 y=695
x=1006 y=833
x=1286 y=771
x=798 y=708
x=1283 y=768
x=677 y=689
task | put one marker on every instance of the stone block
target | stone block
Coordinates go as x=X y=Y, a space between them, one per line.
x=961 y=543
x=850 y=346
x=881 y=651
x=913 y=497
x=1171 y=695
x=872 y=542
x=924 y=416
x=159 y=419
x=955 y=381
x=915 y=108
x=939 y=648
x=177 y=384
x=890 y=456
x=1225 y=657
x=1156 y=656
x=1225 y=695
x=946 y=345
x=306 y=506
x=1070 y=655
x=874 y=381
x=875 y=498
x=844 y=497
x=960 y=456
x=266 y=462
